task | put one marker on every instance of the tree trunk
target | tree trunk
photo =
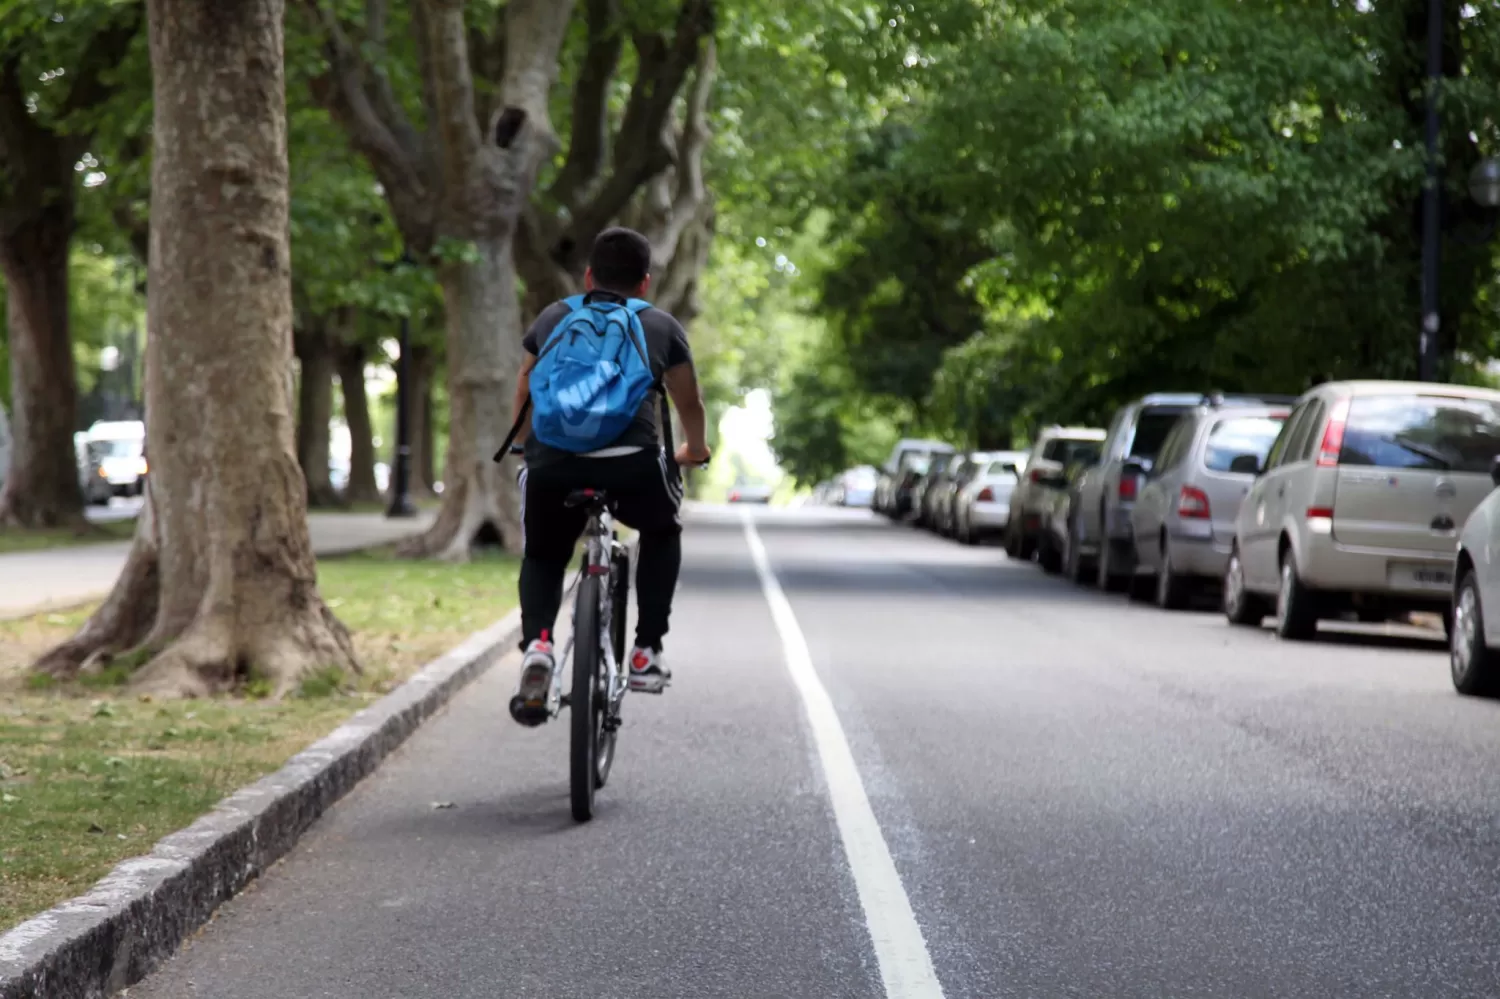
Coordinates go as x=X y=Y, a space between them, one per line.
x=362 y=487
x=236 y=583
x=484 y=352
x=421 y=423
x=315 y=412
x=426 y=439
x=41 y=487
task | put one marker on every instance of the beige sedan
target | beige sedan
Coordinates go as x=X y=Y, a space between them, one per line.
x=1359 y=504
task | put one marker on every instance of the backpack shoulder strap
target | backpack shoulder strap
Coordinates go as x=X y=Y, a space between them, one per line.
x=574 y=302
x=637 y=306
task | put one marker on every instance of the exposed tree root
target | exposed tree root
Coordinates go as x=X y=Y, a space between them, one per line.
x=476 y=504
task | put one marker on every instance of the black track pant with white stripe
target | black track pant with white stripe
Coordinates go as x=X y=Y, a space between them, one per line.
x=647 y=496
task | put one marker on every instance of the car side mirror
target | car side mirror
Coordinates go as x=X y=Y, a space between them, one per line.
x=1249 y=464
x=1495 y=470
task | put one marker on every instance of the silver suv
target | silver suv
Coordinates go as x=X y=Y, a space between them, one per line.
x=1032 y=499
x=1100 y=531
x=1183 y=521
x=1360 y=503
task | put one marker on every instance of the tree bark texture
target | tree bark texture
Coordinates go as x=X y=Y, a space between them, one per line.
x=41 y=486
x=420 y=401
x=37 y=218
x=315 y=351
x=236 y=581
x=351 y=366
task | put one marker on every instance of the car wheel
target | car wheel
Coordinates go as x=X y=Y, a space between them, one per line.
x=1078 y=567
x=1107 y=575
x=1296 y=612
x=1048 y=557
x=1475 y=666
x=1172 y=590
x=1241 y=606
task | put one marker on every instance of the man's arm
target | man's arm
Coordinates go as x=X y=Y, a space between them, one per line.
x=681 y=383
x=523 y=393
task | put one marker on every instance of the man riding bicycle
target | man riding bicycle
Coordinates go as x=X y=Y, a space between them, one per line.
x=632 y=466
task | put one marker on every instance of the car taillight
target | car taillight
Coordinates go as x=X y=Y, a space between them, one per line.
x=1333 y=436
x=1127 y=487
x=1192 y=503
x=1036 y=475
x=1320 y=513
x=734 y=497
x=986 y=495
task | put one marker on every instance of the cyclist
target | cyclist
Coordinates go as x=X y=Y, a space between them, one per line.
x=633 y=469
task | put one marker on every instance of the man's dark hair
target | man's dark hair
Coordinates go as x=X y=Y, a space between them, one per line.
x=620 y=260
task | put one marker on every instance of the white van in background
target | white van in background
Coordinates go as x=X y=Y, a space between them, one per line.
x=121 y=446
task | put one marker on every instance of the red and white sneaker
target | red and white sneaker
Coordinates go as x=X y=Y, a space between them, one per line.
x=647 y=674
x=529 y=705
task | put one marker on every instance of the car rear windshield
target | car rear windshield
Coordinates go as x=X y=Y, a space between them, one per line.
x=1240 y=435
x=1443 y=433
x=1063 y=450
x=1151 y=429
x=120 y=448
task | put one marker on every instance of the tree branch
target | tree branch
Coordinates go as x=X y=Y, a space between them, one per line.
x=588 y=145
x=641 y=147
x=691 y=144
x=534 y=31
x=389 y=146
x=105 y=51
x=450 y=84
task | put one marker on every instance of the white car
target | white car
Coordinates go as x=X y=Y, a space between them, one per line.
x=1474 y=639
x=982 y=507
x=121 y=445
x=856 y=487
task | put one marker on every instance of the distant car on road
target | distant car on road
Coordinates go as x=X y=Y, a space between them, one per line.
x=908 y=463
x=1054 y=450
x=750 y=492
x=1474 y=639
x=1360 y=504
x=1183 y=520
x=981 y=506
x=122 y=453
x=856 y=487
x=935 y=474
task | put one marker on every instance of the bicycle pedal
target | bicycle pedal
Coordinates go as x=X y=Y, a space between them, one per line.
x=528 y=713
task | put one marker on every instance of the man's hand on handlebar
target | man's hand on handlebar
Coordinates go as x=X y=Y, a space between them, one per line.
x=688 y=456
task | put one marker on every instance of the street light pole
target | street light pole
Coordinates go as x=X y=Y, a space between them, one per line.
x=1432 y=205
x=401 y=504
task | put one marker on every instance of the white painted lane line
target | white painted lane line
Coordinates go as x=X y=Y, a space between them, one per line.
x=905 y=965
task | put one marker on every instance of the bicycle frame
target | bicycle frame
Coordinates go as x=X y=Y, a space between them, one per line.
x=601 y=547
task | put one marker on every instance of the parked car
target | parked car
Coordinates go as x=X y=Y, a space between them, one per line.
x=934 y=474
x=1054 y=450
x=941 y=493
x=981 y=507
x=122 y=452
x=92 y=480
x=1183 y=520
x=1474 y=639
x=1055 y=552
x=897 y=476
x=1360 y=504
x=1107 y=492
x=856 y=487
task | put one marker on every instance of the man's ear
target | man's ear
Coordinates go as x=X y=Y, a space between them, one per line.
x=588 y=279
x=645 y=287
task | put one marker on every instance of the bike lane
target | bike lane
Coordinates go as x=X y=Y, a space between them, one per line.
x=714 y=866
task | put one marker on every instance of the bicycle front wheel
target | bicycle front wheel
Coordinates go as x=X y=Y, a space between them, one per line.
x=587 y=702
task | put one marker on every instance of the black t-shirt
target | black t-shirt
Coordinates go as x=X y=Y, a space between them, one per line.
x=666 y=347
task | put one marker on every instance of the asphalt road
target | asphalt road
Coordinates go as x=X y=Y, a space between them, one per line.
x=1025 y=789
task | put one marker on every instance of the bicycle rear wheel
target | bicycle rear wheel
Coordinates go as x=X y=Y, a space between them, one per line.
x=587 y=702
x=619 y=590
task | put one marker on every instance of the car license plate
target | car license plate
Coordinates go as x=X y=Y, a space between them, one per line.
x=1420 y=577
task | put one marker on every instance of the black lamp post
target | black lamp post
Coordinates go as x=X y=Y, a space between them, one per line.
x=1484 y=189
x=401 y=504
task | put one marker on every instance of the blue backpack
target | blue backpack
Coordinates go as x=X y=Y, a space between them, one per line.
x=591 y=376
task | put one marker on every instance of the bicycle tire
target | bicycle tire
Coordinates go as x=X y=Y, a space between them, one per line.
x=584 y=704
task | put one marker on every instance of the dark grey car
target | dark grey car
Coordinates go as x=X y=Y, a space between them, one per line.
x=1183 y=518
